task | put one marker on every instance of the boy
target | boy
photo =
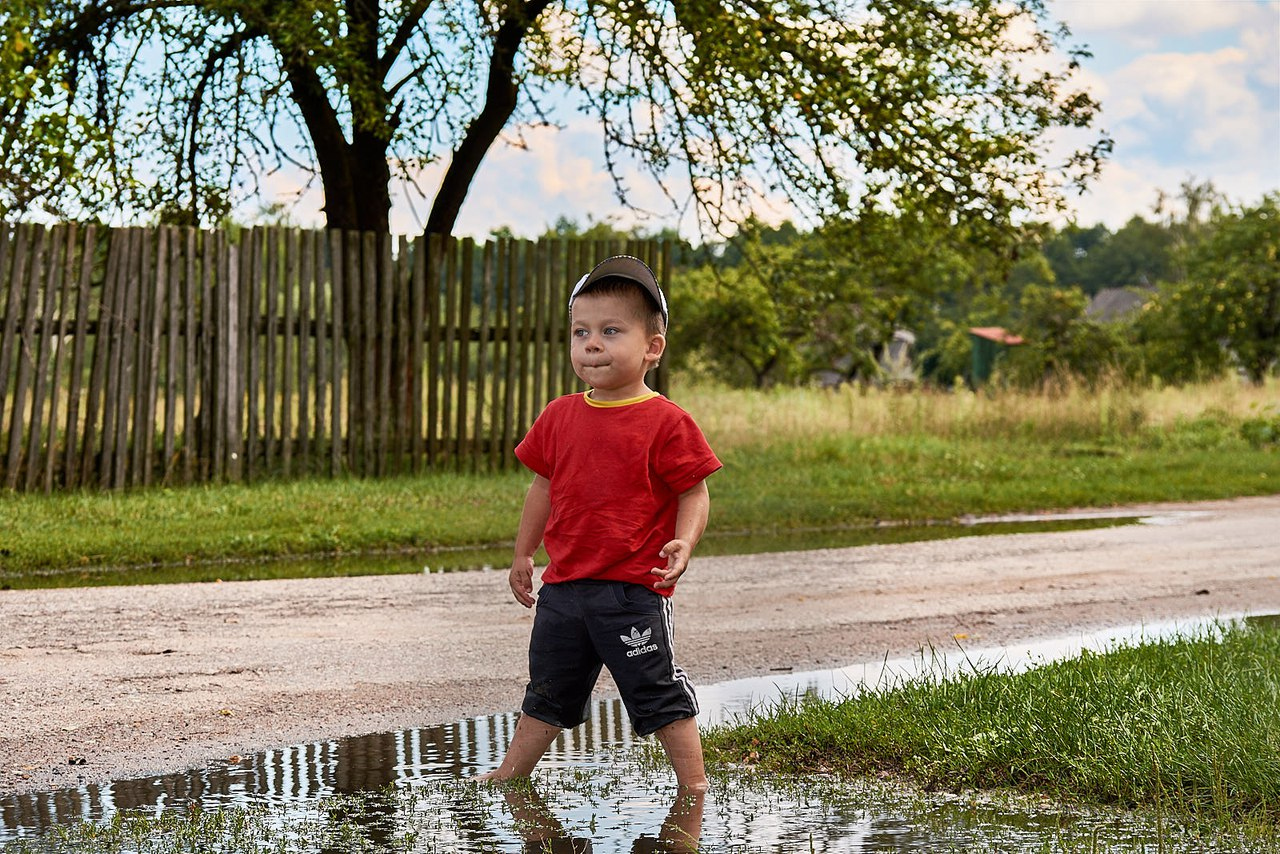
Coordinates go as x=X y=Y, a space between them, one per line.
x=619 y=486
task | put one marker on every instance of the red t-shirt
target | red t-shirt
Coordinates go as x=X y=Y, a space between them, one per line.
x=617 y=471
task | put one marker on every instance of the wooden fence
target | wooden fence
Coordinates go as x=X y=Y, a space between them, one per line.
x=131 y=357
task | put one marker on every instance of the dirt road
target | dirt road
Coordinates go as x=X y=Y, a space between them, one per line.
x=136 y=680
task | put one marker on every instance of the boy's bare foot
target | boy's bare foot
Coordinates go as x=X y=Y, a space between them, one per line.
x=531 y=739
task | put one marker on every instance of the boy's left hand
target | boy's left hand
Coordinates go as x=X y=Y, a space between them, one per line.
x=677 y=553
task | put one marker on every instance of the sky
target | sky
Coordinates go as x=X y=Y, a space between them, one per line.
x=1190 y=90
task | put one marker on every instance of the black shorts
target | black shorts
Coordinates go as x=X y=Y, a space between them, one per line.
x=580 y=626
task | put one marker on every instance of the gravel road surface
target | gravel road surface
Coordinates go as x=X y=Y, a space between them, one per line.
x=140 y=680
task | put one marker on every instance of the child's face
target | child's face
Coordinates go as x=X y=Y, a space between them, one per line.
x=610 y=347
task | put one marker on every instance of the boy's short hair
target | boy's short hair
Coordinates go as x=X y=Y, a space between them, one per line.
x=625 y=274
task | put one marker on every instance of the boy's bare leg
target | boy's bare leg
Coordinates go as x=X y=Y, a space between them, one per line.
x=684 y=751
x=531 y=740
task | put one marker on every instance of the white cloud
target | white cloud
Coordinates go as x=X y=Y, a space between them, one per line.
x=1142 y=24
x=1189 y=89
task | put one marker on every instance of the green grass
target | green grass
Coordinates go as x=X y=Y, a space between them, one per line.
x=814 y=467
x=1188 y=726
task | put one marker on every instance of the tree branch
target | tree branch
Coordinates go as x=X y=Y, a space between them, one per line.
x=215 y=58
x=404 y=32
x=500 y=103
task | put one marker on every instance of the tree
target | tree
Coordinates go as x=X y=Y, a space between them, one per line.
x=780 y=305
x=1228 y=307
x=190 y=103
x=1060 y=341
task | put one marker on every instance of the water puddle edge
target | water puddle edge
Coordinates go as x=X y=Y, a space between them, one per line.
x=589 y=782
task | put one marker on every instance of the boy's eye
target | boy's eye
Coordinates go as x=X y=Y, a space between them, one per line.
x=611 y=330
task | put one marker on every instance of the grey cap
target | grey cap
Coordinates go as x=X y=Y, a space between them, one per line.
x=624 y=267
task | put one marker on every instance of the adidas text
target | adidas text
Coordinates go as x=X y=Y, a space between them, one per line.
x=641 y=650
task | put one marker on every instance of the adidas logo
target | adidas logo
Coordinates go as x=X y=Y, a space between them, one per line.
x=639 y=642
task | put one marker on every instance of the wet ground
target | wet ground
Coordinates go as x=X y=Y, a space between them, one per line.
x=593 y=785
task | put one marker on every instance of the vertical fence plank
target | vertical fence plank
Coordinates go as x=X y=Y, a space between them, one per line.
x=28 y=283
x=172 y=366
x=6 y=312
x=528 y=366
x=483 y=334
x=104 y=344
x=211 y=408
x=216 y=269
x=417 y=317
x=323 y=317
x=189 y=351
x=252 y=269
x=270 y=319
x=500 y=295
x=305 y=249
x=662 y=254
x=239 y=312
x=43 y=348
x=540 y=308
x=116 y=463
x=463 y=381
x=129 y=444
x=356 y=346
x=365 y=287
x=402 y=370
x=80 y=340
x=135 y=432
x=382 y=283
x=156 y=291
x=320 y=321
x=337 y=444
x=290 y=338
x=513 y=342
x=56 y=429
x=448 y=392
x=435 y=264
x=11 y=279
x=555 y=321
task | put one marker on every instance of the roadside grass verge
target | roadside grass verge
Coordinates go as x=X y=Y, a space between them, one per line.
x=1187 y=726
x=802 y=468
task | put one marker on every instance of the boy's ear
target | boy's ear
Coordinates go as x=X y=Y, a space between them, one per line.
x=657 y=346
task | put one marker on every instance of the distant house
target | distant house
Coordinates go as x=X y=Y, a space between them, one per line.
x=1112 y=304
x=988 y=342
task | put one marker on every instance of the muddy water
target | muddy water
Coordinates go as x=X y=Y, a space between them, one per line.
x=593 y=786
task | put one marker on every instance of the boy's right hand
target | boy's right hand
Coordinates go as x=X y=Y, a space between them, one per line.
x=521 y=580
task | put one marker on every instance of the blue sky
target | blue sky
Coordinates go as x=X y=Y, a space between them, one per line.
x=1190 y=89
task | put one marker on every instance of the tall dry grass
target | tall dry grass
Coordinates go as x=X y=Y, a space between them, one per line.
x=746 y=417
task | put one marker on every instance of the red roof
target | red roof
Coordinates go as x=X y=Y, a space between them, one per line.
x=996 y=334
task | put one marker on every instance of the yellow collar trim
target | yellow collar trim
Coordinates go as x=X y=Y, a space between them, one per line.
x=613 y=404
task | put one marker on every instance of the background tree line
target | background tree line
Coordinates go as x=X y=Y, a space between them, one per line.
x=780 y=305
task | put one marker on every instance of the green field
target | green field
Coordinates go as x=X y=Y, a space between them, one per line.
x=800 y=465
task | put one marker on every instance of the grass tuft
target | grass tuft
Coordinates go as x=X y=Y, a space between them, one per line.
x=1189 y=725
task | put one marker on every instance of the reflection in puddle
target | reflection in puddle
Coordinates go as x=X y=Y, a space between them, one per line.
x=592 y=785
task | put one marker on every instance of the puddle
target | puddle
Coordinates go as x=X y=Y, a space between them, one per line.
x=410 y=785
